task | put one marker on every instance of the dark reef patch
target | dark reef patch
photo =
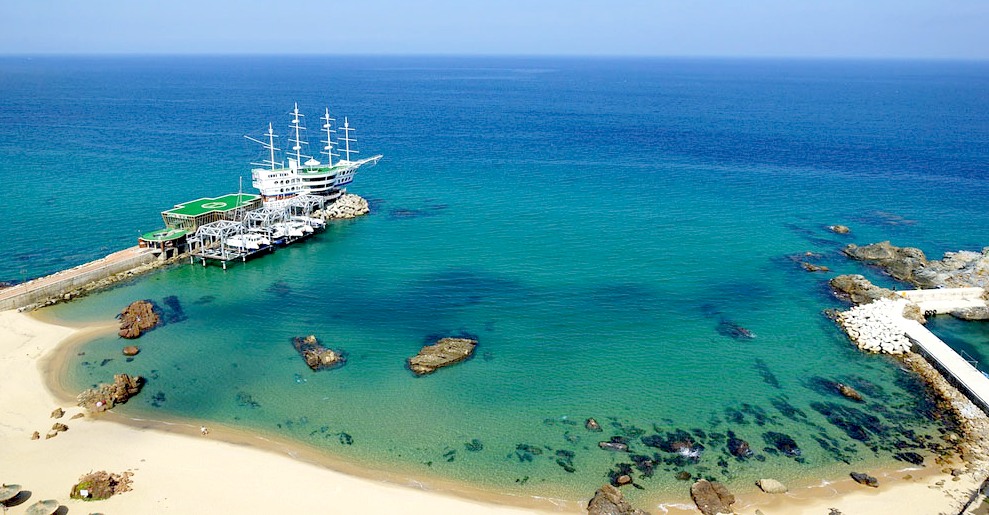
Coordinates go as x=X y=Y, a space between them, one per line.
x=782 y=443
x=767 y=375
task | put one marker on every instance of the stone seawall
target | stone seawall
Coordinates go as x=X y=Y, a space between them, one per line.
x=80 y=280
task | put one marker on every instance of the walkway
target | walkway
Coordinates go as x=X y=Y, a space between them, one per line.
x=945 y=300
x=956 y=368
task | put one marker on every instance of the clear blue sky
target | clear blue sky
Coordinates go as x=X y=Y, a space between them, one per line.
x=750 y=28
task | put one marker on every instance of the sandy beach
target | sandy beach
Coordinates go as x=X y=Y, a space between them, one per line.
x=181 y=471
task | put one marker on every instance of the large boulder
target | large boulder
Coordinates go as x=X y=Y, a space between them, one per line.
x=771 y=486
x=609 y=500
x=138 y=317
x=711 y=497
x=446 y=352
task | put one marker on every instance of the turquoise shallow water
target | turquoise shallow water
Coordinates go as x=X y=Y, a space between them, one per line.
x=601 y=226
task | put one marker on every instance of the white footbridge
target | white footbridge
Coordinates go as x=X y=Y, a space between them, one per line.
x=958 y=370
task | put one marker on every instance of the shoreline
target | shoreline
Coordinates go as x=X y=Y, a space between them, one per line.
x=36 y=349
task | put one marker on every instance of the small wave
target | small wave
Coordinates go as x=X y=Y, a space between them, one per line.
x=665 y=507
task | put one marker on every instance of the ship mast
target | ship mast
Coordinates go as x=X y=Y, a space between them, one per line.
x=298 y=141
x=270 y=147
x=328 y=129
x=347 y=139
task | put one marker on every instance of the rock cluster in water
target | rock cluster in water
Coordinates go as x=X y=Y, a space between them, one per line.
x=873 y=327
x=446 y=352
x=961 y=269
x=609 y=500
x=346 y=207
x=316 y=355
x=105 y=396
x=138 y=317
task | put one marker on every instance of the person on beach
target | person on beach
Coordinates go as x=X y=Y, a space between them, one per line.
x=203 y=430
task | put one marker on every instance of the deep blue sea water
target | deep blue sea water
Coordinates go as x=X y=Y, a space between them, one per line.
x=600 y=225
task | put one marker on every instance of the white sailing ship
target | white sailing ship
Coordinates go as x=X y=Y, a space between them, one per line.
x=305 y=175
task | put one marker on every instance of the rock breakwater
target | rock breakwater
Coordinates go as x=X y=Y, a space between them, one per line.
x=962 y=269
x=873 y=327
x=346 y=207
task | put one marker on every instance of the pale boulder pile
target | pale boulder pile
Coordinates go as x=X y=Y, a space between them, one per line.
x=875 y=327
x=346 y=207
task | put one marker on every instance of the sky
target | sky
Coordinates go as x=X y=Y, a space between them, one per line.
x=899 y=29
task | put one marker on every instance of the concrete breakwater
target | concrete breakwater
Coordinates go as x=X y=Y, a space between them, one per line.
x=874 y=327
x=80 y=280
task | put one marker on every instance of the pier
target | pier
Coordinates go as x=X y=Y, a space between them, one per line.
x=955 y=368
x=240 y=229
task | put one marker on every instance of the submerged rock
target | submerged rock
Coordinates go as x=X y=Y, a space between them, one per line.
x=592 y=425
x=446 y=352
x=738 y=447
x=140 y=316
x=811 y=267
x=782 y=443
x=609 y=500
x=849 y=392
x=711 y=498
x=613 y=446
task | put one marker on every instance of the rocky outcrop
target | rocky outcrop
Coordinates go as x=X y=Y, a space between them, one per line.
x=960 y=269
x=865 y=479
x=609 y=500
x=859 y=290
x=811 y=267
x=592 y=425
x=131 y=350
x=106 y=396
x=137 y=318
x=346 y=207
x=96 y=486
x=58 y=413
x=873 y=328
x=839 y=229
x=711 y=497
x=771 y=486
x=446 y=352
x=972 y=313
x=899 y=262
x=315 y=354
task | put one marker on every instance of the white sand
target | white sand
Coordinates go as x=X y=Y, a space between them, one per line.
x=184 y=472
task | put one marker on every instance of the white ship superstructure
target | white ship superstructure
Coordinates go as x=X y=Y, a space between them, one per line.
x=305 y=175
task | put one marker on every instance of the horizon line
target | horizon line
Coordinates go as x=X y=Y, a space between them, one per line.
x=30 y=55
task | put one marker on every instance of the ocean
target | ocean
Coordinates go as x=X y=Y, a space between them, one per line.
x=604 y=227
